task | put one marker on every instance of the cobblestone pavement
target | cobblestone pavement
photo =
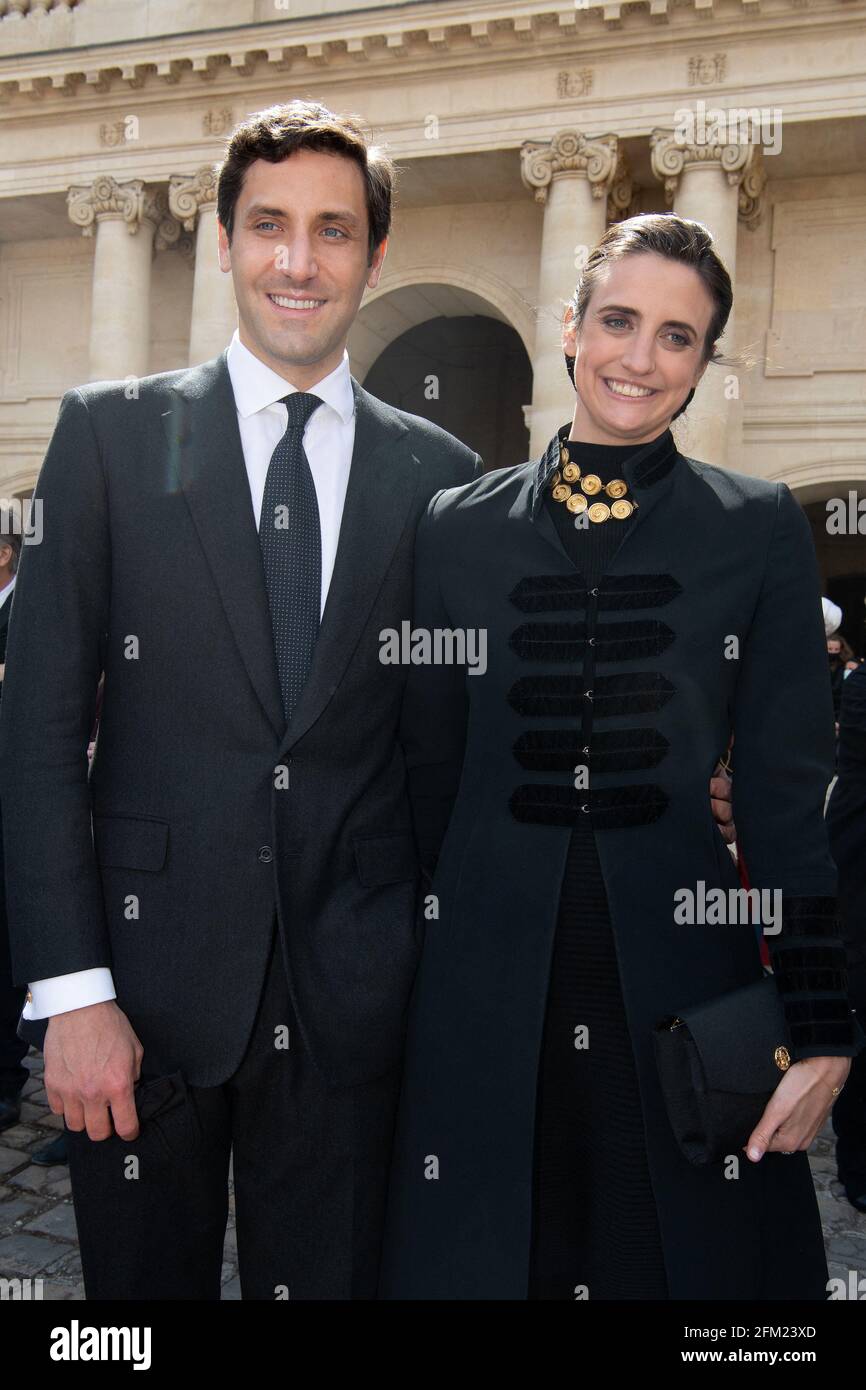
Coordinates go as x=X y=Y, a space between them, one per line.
x=37 y=1221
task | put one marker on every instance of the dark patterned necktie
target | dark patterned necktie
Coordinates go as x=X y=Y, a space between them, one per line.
x=291 y=540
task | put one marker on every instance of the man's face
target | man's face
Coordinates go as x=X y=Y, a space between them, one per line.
x=298 y=259
x=645 y=326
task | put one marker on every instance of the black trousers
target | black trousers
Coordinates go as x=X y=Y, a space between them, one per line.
x=310 y=1165
x=12 y=1050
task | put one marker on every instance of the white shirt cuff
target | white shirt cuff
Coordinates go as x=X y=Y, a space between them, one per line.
x=62 y=993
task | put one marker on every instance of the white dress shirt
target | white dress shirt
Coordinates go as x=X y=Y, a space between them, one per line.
x=6 y=590
x=329 y=439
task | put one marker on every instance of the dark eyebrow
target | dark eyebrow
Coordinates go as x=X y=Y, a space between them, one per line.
x=343 y=215
x=669 y=323
x=259 y=210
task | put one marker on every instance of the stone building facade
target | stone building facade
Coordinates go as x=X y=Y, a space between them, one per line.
x=521 y=128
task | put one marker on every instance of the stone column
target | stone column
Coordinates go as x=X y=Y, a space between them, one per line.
x=572 y=176
x=192 y=200
x=125 y=216
x=718 y=185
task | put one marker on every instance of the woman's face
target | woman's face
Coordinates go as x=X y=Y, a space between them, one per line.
x=644 y=329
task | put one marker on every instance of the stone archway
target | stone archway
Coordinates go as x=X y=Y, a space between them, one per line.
x=440 y=348
x=839 y=532
x=20 y=482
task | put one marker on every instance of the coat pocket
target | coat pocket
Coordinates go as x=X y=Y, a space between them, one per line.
x=383 y=859
x=130 y=842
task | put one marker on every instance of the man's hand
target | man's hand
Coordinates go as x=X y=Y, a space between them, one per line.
x=92 y=1060
x=720 y=803
x=798 y=1107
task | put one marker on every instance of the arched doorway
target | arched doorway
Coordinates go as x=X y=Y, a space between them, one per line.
x=469 y=375
x=835 y=517
x=439 y=349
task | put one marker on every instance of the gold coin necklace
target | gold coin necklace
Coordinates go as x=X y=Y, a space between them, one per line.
x=566 y=481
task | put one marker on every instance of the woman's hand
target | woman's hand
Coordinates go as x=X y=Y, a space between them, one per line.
x=798 y=1107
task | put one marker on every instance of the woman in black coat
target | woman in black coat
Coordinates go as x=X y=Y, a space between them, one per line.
x=639 y=607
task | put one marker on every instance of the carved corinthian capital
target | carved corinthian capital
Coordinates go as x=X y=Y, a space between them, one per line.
x=569 y=151
x=167 y=228
x=105 y=197
x=187 y=193
x=752 y=186
x=741 y=161
x=622 y=190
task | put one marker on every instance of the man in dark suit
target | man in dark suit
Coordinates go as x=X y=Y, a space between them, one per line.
x=12 y=1050
x=225 y=913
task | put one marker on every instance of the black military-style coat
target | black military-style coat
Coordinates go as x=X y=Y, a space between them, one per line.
x=640 y=680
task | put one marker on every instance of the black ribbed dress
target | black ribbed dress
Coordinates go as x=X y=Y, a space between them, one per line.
x=594 y=1215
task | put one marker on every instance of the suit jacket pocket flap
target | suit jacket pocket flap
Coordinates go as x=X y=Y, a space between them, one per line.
x=130 y=842
x=385 y=859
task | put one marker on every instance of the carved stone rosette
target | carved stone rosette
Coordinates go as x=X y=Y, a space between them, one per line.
x=567 y=152
x=741 y=161
x=187 y=193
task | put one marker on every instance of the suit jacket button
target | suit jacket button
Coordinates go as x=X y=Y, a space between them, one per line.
x=266 y=854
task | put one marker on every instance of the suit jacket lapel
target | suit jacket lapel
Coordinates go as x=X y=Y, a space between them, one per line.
x=206 y=461
x=383 y=480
